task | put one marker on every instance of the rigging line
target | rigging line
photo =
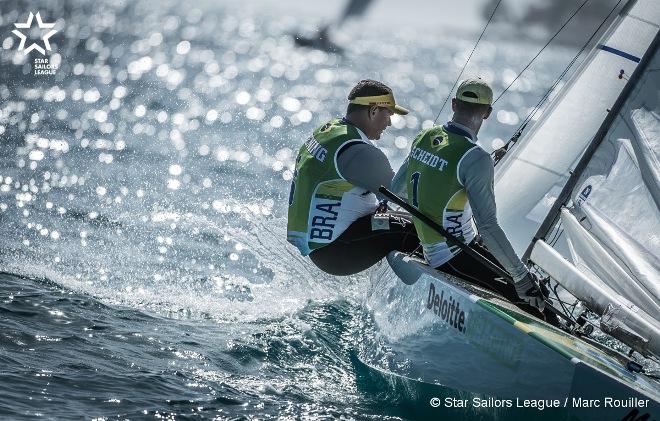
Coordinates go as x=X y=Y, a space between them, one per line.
x=561 y=303
x=537 y=107
x=554 y=289
x=570 y=64
x=559 y=231
x=554 y=241
x=541 y=50
x=467 y=61
x=530 y=116
x=554 y=233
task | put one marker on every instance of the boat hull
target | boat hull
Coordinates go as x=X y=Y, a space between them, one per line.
x=439 y=330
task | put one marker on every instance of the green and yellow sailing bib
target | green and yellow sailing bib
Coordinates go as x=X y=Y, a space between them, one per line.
x=317 y=214
x=433 y=188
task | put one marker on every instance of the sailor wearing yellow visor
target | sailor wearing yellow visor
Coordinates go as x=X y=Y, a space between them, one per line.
x=333 y=199
x=385 y=101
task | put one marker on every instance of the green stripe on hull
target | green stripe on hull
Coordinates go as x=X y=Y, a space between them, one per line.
x=561 y=342
x=525 y=321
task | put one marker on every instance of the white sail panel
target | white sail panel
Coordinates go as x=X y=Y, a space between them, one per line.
x=597 y=263
x=535 y=171
x=618 y=192
x=642 y=265
x=647 y=143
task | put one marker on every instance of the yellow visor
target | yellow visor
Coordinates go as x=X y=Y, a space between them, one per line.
x=386 y=101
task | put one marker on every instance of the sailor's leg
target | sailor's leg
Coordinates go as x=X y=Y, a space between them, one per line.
x=465 y=267
x=510 y=293
x=364 y=244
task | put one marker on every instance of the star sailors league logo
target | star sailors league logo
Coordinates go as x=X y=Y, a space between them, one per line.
x=34 y=45
x=42 y=66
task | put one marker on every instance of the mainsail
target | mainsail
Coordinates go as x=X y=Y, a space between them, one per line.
x=580 y=194
x=535 y=171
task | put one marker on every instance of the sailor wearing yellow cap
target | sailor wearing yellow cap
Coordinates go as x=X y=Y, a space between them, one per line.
x=449 y=177
x=332 y=202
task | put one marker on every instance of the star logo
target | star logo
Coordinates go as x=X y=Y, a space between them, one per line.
x=34 y=45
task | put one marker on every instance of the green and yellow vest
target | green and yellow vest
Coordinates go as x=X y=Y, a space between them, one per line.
x=434 y=188
x=316 y=216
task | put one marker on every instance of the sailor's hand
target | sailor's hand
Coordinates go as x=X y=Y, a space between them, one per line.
x=544 y=283
x=530 y=291
x=382 y=207
x=499 y=153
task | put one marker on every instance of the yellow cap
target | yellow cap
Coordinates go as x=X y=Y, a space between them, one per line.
x=386 y=101
x=475 y=90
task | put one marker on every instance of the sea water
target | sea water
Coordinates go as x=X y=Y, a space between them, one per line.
x=143 y=191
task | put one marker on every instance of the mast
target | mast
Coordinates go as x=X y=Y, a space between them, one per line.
x=553 y=214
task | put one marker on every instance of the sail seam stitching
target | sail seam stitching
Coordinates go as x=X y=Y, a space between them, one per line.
x=644 y=20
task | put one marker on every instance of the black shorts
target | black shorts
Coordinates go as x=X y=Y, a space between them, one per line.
x=360 y=246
